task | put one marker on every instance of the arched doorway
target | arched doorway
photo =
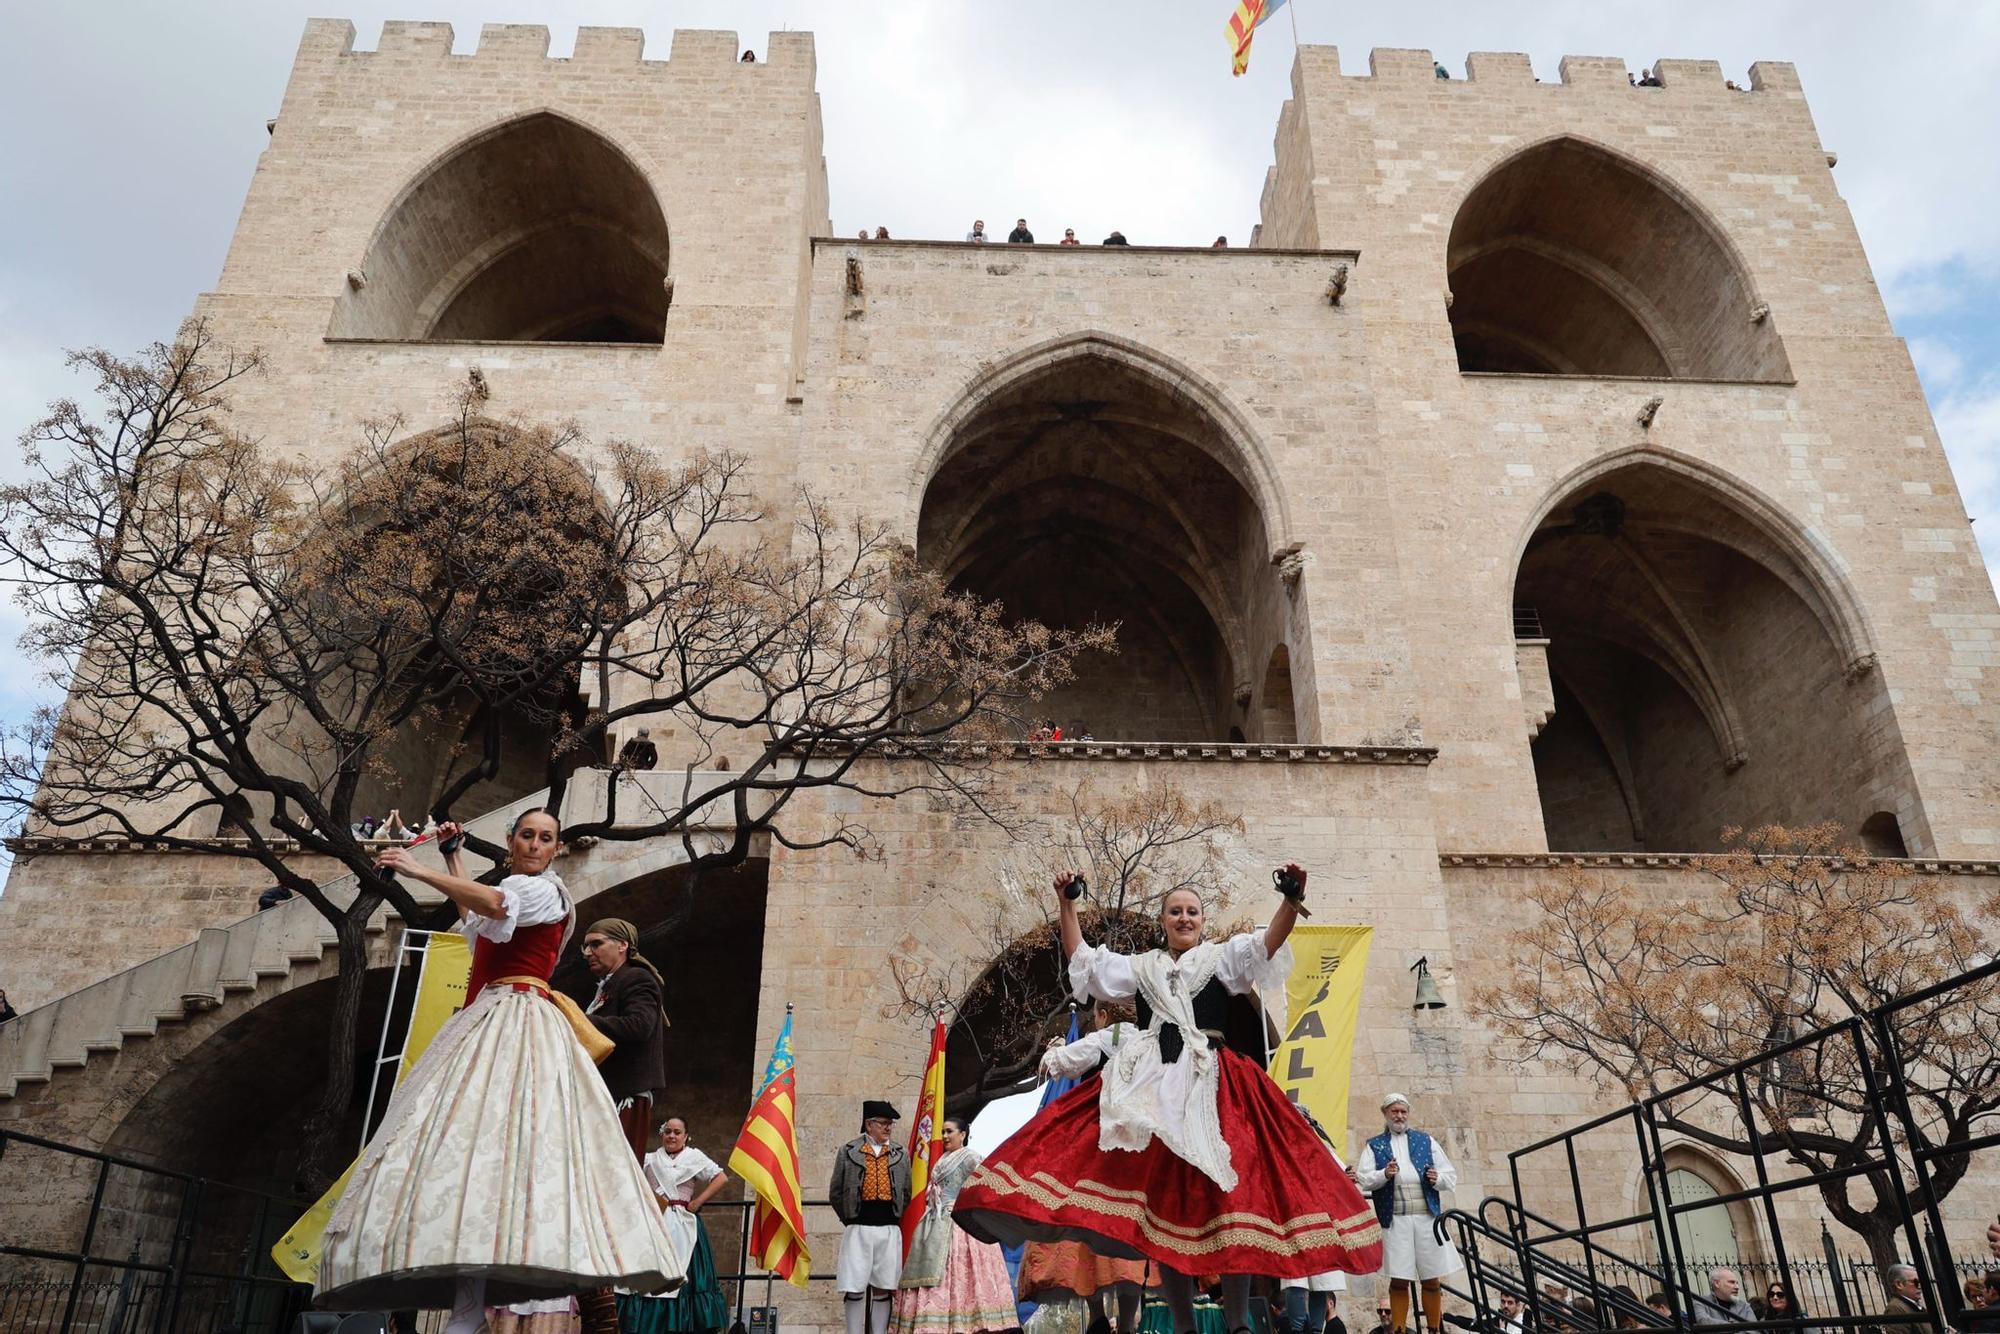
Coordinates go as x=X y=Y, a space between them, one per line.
x=1095 y=488
x=1569 y=259
x=1708 y=670
x=536 y=230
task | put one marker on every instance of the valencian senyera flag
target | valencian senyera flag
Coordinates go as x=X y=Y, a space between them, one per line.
x=1243 y=25
x=441 y=983
x=767 y=1156
x=1322 y=1007
x=926 y=1136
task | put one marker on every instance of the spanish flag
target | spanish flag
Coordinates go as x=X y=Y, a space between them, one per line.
x=926 y=1137
x=1243 y=25
x=767 y=1156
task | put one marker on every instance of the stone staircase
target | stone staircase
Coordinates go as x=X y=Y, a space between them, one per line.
x=220 y=963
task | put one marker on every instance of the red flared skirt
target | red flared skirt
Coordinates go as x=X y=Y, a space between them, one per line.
x=1292 y=1214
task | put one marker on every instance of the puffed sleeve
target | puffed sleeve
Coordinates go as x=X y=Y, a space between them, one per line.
x=525 y=900
x=1368 y=1174
x=1243 y=967
x=1096 y=973
x=1073 y=1060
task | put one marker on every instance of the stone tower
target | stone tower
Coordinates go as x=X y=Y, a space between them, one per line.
x=1545 y=483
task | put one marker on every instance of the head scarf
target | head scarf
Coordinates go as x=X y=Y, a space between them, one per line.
x=618 y=929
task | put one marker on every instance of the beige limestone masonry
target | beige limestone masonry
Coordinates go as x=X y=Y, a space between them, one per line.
x=1313 y=516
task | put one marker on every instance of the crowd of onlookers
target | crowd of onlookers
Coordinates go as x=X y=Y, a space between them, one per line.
x=1048 y=729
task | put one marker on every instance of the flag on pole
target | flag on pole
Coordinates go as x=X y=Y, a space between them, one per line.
x=1243 y=25
x=926 y=1136
x=767 y=1156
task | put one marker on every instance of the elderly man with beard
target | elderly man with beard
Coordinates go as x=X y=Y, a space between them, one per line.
x=1406 y=1172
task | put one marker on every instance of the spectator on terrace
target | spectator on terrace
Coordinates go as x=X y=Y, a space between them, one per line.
x=749 y=58
x=1778 y=1303
x=272 y=897
x=1020 y=235
x=1219 y=243
x=1069 y=237
x=881 y=233
x=1649 y=80
x=1116 y=238
x=1724 y=1304
x=1437 y=68
x=1906 y=1298
x=639 y=754
x=1618 y=1314
x=978 y=233
x=393 y=828
x=863 y=236
x=1661 y=1306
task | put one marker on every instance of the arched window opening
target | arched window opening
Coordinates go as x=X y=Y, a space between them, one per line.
x=540 y=230
x=1704 y=676
x=1570 y=260
x=1276 y=722
x=1091 y=492
x=1882 y=836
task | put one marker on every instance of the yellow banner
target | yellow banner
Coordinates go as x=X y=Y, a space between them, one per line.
x=1322 y=1006
x=447 y=968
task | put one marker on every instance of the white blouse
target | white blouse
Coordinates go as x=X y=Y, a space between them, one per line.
x=1145 y=1097
x=528 y=900
x=675 y=1176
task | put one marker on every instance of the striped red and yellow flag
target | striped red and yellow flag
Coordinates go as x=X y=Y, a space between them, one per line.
x=926 y=1138
x=767 y=1156
x=1243 y=26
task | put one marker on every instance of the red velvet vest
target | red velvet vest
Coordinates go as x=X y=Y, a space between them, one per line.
x=531 y=953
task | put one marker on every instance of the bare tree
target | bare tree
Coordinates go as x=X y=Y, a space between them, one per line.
x=1800 y=933
x=1133 y=850
x=247 y=642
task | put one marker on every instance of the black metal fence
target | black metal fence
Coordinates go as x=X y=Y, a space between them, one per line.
x=124 y=1247
x=1832 y=1108
x=108 y=1245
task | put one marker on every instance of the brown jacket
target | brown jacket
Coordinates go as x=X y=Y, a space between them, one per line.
x=633 y=1015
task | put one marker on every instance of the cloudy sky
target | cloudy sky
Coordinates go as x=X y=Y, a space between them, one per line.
x=131 y=130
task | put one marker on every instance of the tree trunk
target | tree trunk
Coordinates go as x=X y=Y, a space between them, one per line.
x=321 y=1148
x=1881 y=1233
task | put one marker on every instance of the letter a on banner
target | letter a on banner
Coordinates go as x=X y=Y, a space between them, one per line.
x=1322 y=1008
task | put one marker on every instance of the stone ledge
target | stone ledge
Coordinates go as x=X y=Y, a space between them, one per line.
x=1228 y=752
x=996 y=248
x=1690 y=861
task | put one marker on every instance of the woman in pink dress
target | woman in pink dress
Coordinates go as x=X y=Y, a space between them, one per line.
x=952 y=1284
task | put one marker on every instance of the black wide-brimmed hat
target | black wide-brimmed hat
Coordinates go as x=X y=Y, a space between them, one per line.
x=873 y=1108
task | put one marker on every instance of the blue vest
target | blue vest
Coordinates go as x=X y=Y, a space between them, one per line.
x=1420 y=1158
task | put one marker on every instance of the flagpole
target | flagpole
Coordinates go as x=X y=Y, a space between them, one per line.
x=1292 y=9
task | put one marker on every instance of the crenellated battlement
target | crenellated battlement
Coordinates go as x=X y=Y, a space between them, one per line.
x=1488 y=68
x=620 y=50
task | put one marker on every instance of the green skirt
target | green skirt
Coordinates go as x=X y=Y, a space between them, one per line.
x=698 y=1308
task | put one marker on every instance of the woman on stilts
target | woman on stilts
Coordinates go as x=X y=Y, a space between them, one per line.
x=449 y=1206
x=684 y=1178
x=1180 y=1151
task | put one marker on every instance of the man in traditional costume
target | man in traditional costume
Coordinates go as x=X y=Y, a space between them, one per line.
x=629 y=1007
x=870 y=1189
x=1406 y=1171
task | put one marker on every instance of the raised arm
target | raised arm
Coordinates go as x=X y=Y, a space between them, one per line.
x=481 y=900
x=1072 y=930
x=1286 y=915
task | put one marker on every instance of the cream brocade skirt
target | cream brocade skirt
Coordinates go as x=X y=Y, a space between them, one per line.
x=500 y=1158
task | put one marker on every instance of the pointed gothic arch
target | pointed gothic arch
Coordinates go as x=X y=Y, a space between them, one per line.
x=1711 y=666
x=537 y=229
x=1089 y=479
x=1569 y=258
